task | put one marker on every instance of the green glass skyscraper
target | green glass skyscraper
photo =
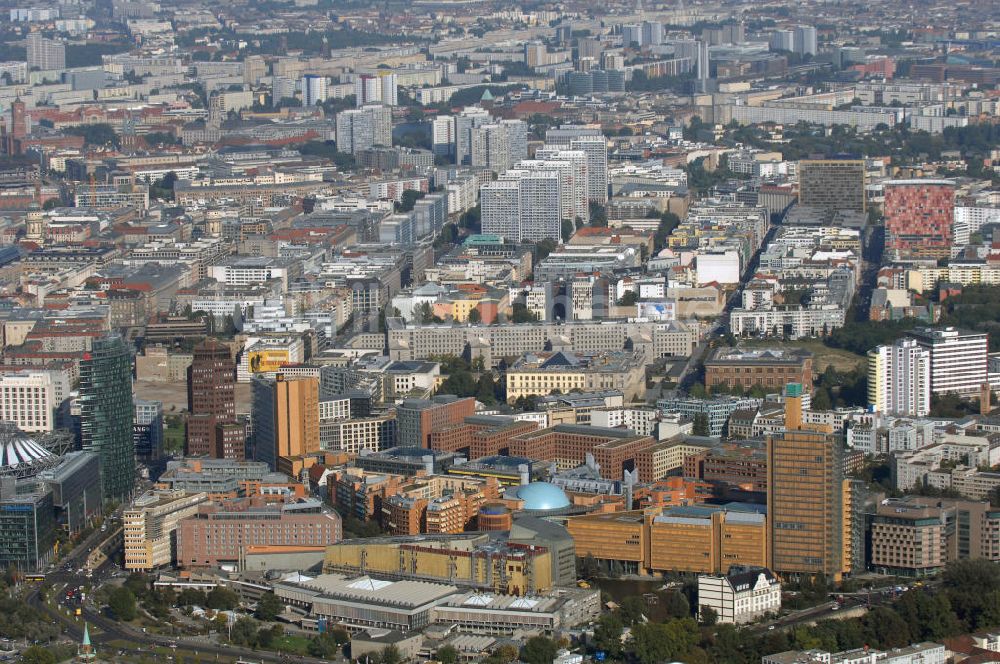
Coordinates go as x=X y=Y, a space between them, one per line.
x=106 y=413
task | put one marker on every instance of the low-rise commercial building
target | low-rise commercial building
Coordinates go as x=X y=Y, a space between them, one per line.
x=506 y=614
x=360 y=602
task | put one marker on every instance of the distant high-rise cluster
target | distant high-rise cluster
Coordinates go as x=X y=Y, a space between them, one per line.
x=523 y=205
x=801 y=39
x=379 y=88
x=531 y=199
x=45 y=54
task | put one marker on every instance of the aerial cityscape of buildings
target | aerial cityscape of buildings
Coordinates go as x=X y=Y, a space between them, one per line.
x=478 y=331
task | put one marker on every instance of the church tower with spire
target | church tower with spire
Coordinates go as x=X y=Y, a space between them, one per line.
x=86 y=652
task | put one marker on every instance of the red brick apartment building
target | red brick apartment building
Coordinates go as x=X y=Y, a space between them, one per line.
x=615 y=450
x=771 y=369
x=220 y=534
x=480 y=435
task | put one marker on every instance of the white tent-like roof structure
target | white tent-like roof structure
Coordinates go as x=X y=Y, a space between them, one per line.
x=21 y=455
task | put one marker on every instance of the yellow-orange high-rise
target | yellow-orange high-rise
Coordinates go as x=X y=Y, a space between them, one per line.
x=808 y=502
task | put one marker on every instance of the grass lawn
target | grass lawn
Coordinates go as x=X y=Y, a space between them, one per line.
x=291 y=643
x=842 y=360
x=173 y=433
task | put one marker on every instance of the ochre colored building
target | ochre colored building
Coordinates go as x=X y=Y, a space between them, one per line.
x=514 y=569
x=700 y=539
x=808 y=498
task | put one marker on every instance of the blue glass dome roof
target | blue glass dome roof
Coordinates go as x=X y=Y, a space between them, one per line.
x=542 y=496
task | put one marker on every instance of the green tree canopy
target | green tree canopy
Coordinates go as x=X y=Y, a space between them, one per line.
x=121 y=603
x=447 y=654
x=409 y=199
x=97 y=135
x=222 y=599
x=701 y=425
x=37 y=655
x=269 y=607
x=539 y=650
x=244 y=632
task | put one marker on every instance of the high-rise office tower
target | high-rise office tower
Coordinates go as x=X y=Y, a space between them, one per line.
x=535 y=54
x=470 y=118
x=590 y=47
x=734 y=33
x=285 y=417
x=809 y=514
x=107 y=413
x=596 y=149
x=918 y=217
x=147 y=430
x=523 y=205
x=211 y=398
x=363 y=128
x=730 y=33
x=282 y=87
x=517 y=138
x=899 y=378
x=613 y=62
x=490 y=148
x=703 y=66
x=500 y=203
x=832 y=184
x=45 y=54
x=314 y=90
x=367 y=90
x=390 y=89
